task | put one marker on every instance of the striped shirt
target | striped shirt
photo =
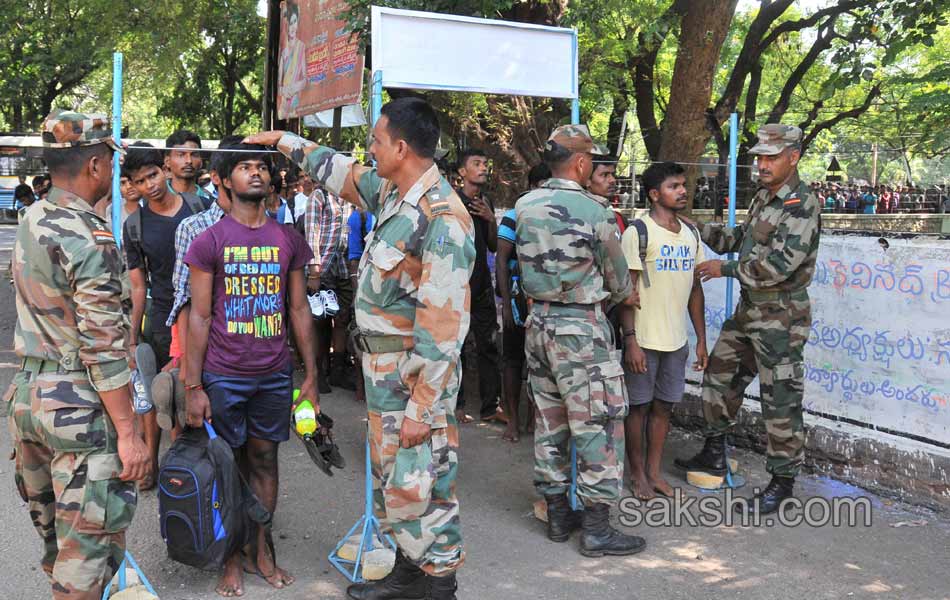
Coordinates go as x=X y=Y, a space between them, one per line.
x=186 y=233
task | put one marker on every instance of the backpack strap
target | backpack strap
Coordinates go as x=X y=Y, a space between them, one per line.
x=134 y=225
x=642 y=240
x=193 y=202
x=696 y=234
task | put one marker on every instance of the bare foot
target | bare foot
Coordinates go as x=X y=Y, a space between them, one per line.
x=641 y=488
x=511 y=433
x=231 y=582
x=662 y=486
x=268 y=569
x=461 y=417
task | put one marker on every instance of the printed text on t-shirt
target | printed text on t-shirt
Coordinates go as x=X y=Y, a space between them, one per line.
x=679 y=258
x=253 y=299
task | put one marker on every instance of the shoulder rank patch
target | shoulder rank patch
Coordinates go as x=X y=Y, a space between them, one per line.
x=792 y=202
x=101 y=236
x=440 y=208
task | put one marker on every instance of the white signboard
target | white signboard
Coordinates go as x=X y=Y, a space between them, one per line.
x=879 y=349
x=422 y=50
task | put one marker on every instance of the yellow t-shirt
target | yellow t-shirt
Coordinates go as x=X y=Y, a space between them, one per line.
x=671 y=258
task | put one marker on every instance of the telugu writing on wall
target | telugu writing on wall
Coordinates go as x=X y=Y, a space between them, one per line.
x=879 y=348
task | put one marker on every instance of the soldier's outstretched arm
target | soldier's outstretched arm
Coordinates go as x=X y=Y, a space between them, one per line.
x=608 y=254
x=789 y=245
x=722 y=238
x=443 y=305
x=343 y=175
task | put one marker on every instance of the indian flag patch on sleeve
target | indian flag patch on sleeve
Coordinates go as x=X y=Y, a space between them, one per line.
x=102 y=236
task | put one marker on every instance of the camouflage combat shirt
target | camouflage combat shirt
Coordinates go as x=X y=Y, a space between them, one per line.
x=413 y=278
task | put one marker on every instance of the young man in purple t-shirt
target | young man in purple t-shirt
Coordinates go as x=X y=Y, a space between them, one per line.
x=247 y=288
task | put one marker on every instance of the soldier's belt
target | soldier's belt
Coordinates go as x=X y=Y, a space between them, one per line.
x=774 y=295
x=383 y=344
x=39 y=365
x=542 y=307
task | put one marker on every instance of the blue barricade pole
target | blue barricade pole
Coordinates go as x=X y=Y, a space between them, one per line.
x=117 y=136
x=376 y=103
x=572 y=495
x=367 y=525
x=733 y=157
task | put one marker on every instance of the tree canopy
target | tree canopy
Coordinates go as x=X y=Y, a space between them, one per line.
x=858 y=76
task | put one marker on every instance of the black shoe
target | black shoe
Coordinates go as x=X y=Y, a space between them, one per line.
x=340 y=377
x=323 y=386
x=770 y=499
x=711 y=459
x=599 y=538
x=562 y=520
x=442 y=588
x=406 y=580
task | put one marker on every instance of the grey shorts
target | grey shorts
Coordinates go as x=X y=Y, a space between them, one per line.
x=665 y=378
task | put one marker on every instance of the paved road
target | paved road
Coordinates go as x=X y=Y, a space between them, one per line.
x=508 y=555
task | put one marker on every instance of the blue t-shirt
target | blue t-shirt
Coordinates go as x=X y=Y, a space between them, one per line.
x=506 y=231
x=358 y=230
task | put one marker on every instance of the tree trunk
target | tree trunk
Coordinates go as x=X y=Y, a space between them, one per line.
x=617 y=115
x=702 y=33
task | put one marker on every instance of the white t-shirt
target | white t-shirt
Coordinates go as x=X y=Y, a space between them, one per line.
x=300 y=205
x=671 y=258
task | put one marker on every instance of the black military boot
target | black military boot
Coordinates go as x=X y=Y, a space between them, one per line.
x=406 y=580
x=442 y=588
x=711 y=459
x=340 y=375
x=323 y=386
x=562 y=520
x=599 y=538
x=770 y=499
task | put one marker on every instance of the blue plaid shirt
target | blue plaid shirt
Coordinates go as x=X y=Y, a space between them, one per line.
x=186 y=233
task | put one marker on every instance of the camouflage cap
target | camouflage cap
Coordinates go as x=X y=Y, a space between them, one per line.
x=575 y=138
x=775 y=137
x=68 y=129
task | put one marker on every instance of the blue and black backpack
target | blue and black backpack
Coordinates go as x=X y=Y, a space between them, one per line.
x=205 y=507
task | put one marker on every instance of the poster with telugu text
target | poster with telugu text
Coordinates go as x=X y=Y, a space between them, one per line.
x=879 y=350
x=320 y=65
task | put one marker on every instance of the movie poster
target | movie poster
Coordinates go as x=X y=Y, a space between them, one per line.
x=320 y=65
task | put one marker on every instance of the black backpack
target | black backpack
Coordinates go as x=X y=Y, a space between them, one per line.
x=205 y=507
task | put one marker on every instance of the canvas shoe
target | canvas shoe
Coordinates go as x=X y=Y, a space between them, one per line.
x=330 y=302
x=316 y=305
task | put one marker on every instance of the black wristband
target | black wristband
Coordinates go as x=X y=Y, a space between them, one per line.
x=629 y=334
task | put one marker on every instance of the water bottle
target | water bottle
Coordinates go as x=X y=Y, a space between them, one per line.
x=515 y=292
x=305 y=417
x=140 y=400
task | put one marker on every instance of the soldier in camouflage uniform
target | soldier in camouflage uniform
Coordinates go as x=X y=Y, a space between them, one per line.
x=777 y=247
x=77 y=449
x=571 y=261
x=413 y=311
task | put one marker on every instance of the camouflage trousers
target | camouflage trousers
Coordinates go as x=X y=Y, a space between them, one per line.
x=413 y=488
x=764 y=338
x=576 y=383
x=67 y=469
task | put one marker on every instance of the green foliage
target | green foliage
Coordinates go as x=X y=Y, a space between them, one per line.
x=199 y=64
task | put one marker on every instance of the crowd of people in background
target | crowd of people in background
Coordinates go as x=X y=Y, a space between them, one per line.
x=881 y=199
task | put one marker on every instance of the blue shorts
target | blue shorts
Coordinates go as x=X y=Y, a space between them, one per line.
x=250 y=407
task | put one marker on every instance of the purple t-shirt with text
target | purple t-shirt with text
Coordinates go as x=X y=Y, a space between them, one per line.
x=251 y=270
